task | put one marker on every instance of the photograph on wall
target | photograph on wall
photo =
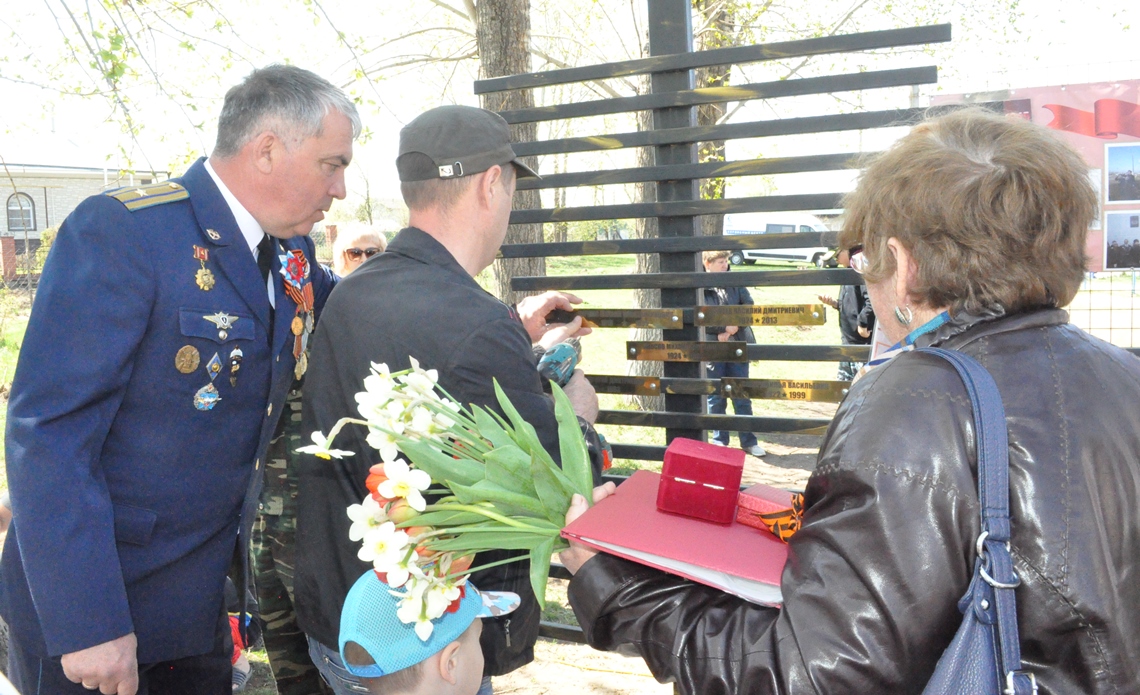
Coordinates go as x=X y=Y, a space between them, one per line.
x=1123 y=239
x=1095 y=176
x=1123 y=165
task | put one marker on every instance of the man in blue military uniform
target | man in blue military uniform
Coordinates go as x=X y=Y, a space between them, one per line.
x=168 y=326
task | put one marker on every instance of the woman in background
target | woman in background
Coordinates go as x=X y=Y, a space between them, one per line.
x=349 y=250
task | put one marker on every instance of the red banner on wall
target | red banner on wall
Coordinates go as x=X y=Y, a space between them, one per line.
x=1108 y=119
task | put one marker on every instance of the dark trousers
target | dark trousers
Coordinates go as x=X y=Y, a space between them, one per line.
x=719 y=404
x=207 y=674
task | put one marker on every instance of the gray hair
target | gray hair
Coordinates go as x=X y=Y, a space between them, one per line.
x=288 y=100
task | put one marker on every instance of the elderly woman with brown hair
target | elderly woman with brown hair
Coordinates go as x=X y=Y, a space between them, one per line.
x=971 y=232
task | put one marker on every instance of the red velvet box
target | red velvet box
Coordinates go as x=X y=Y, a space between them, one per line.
x=700 y=480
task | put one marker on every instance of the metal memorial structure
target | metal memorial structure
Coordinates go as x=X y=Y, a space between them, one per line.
x=674 y=137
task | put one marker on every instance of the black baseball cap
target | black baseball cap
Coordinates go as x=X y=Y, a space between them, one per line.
x=452 y=141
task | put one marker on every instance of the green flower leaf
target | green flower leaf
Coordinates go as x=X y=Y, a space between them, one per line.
x=443 y=519
x=441 y=467
x=553 y=489
x=525 y=435
x=489 y=541
x=571 y=443
x=489 y=427
x=509 y=467
x=511 y=503
x=540 y=569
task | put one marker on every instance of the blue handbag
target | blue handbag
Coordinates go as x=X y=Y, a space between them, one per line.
x=985 y=655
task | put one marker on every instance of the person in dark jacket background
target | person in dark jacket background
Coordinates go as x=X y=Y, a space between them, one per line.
x=717 y=262
x=952 y=221
x=856 y=318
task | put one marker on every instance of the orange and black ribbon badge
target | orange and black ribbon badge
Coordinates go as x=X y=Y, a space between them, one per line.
x=784 y=523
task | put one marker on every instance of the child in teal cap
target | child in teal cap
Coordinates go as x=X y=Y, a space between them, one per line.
x=391 y=659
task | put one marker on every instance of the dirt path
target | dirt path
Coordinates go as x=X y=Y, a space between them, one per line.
x=561 y=668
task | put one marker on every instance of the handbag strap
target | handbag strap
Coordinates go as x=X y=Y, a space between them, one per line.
x=994 y=563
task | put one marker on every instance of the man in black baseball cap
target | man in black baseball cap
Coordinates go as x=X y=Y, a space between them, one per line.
x=420 y=299
x=455 y=141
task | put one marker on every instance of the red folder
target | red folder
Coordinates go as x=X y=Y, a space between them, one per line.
x=737 y=559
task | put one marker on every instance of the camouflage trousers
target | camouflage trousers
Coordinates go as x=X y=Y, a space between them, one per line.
x=273 y=543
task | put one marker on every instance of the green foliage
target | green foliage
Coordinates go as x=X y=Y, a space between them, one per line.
x=593 y=230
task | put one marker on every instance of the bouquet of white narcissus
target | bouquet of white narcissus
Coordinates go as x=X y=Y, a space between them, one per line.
x=497 y=488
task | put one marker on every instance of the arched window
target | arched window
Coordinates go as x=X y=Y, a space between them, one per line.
x=21 y=213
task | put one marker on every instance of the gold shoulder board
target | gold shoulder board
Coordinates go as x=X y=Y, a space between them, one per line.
x=139 y=197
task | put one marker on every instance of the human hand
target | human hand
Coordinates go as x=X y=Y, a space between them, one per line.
x=731 y=330
x=863 y=332
x=533 y=310
x=111 y=667
x=561 y=332
x=577 y=555
x=582 y=396
x=828 y=300
x=724 y=337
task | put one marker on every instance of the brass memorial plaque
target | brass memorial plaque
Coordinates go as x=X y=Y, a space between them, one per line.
x=632 y=318
x=757 y=315
x=626 y=385
x=786 y=389
x=686 y=351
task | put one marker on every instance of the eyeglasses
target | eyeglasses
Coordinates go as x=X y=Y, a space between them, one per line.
x=856 y=260
x=355 y=253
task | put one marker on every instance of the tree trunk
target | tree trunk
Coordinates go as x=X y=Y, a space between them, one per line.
x=559 y=232
x=502 y=35
x=719 y=32
x=646 y=228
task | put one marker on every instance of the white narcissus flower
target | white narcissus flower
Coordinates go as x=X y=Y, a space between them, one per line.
x=320 y=448
x=404 y=481
x=384 y=442
x=422 y=381
x=411 y=608
x=438 y=597
x=384 y=546
x=365 y=516
x=421 y=420
x=406 y=570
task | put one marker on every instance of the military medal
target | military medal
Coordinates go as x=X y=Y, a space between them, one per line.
x=186 y=359
x=295 y=270
x=207 y=396
x=235 y=365
x=214 y=366
x=203 y=277
x=223 y=321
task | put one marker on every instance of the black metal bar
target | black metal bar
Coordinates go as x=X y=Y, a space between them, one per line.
x=844 y=43
x=748 y=278
x=705 y=170
x=828 y=84
x=671 y=32
x=559 y=571
x=680 y=208
x=638 y=452
x=695 y=423
x=761 y=389
x=734 y=131
x=672 y=245
x=559 y=631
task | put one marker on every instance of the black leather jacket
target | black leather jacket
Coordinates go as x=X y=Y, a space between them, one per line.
x=886 y=549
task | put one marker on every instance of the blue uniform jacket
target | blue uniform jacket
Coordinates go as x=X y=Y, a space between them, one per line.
x=128 y=499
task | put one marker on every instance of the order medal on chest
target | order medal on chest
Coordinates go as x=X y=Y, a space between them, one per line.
x=295 y=269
